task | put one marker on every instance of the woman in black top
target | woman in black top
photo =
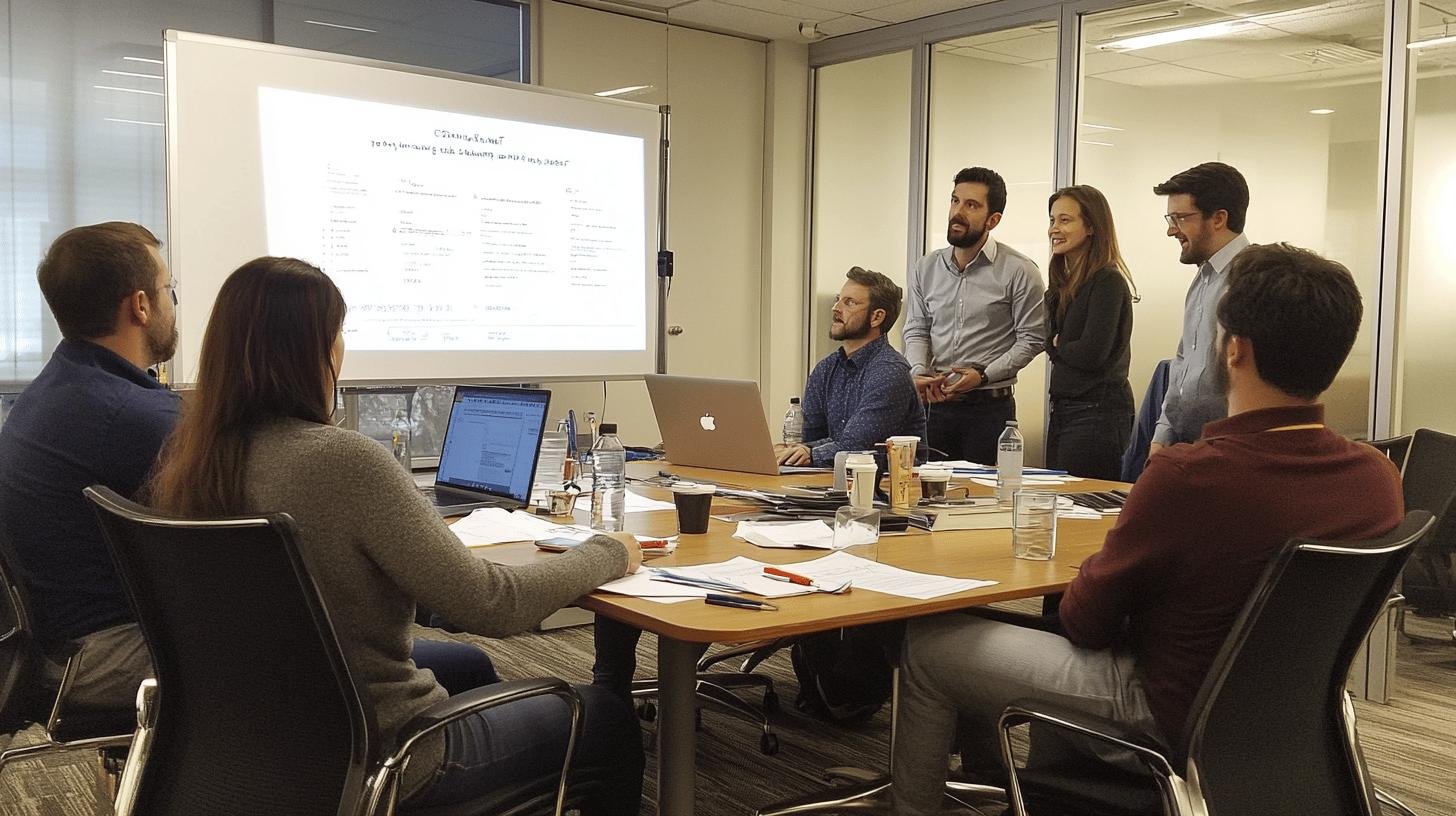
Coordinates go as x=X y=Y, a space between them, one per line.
x=1089 y=326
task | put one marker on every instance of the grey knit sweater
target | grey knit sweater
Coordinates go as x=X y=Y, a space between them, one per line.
x=375 y=546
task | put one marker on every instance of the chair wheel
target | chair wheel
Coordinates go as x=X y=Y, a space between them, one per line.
x=647 y=712
x=771 y=702
x=769 y=744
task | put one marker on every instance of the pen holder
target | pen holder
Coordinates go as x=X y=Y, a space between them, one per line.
x=900 y=453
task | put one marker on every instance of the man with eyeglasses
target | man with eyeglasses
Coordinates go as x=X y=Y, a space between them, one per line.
x=1206 y=209
x=93 y=415
x=862 y=393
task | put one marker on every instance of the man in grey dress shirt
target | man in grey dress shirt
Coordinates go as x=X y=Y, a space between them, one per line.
x=1206 y=209
x=973 y=319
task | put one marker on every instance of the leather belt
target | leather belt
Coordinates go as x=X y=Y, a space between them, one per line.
x=981 y=395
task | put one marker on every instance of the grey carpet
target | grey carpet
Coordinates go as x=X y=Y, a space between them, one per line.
x=1410 y=744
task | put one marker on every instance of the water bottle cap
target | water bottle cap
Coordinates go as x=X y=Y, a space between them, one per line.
x=793 y=400
x=1011 y=423
x=608 y=428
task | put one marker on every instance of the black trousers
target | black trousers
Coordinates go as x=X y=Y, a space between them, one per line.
x=968 y=430
x=1087 y=437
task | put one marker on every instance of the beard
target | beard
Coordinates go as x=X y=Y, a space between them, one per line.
x=162 y=343
x=1193 y=254
x=969 y=238
x=849 y=331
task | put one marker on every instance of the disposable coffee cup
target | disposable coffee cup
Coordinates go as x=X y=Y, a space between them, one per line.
x=862 y=485
x=933 y=482
x=692 y=501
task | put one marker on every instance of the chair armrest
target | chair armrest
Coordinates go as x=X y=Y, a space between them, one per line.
x=455 y=707
x=1146 y=747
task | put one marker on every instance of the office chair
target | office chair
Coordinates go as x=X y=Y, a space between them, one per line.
x=1272 y=727
x=254 y=709
x=65 y=727
x=714 y=688
x=1427 y=462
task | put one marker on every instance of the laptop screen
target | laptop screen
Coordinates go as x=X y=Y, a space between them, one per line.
x=492 y=440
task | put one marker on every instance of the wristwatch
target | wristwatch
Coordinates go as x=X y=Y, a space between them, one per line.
x=979 y=369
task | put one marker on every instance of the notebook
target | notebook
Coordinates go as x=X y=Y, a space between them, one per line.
x=714 y=424
x=488 y=458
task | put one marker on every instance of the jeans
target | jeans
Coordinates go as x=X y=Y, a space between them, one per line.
x=616 y=656
x=1087 y=437
x=458 y=667
x=526 y=740
x=968 y=430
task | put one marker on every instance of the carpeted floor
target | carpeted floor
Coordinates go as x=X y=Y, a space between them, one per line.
x=1410 y=744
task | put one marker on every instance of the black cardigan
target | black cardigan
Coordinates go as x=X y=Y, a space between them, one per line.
x=1090 y=357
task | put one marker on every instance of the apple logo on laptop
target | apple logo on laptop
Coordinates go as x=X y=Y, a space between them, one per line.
x=708 y=423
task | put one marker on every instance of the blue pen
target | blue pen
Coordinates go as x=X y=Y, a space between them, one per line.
x=739 y=603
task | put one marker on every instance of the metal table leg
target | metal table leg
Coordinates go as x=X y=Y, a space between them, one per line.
x=676 y=740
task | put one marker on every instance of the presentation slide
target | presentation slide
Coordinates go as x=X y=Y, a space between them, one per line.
x=449 y=231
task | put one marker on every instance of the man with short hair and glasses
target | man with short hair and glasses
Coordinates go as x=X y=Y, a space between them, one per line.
x=1206 y=209
x=974 y=317
x=862 y=393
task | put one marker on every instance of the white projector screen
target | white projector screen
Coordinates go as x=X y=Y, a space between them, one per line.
x=478 y=229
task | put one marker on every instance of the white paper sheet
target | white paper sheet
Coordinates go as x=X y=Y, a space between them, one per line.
x=740 y=571
x=786 y=535
x=838 y=567
x=635 y=503
x=495 y=525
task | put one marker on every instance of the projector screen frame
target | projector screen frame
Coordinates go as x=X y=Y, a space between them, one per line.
x=662 y=261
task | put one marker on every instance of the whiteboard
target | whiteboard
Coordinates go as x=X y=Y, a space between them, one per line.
x=479 y=229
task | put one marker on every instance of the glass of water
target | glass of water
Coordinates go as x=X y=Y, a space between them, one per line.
x=857 y=532
x=1034 y=524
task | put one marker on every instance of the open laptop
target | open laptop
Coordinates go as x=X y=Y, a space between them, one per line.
x=714 y=424
x=488 y=458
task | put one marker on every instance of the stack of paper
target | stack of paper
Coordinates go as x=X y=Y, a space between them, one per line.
x=740 y=571
x=813 y=534
x=495 y=525
x=839 y=567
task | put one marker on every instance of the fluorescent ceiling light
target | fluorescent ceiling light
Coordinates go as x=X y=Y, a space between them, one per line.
x=1103 y=144
x=1433 y=43
x=1101 y=127
x=126 y=90
x=130 y=73
x=341 y=25
x=1322 y=111
x=1176 y=35
x=134 y=122
x=621 y=91
x=143 y=59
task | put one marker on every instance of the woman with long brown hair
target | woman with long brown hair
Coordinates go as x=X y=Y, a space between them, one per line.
x=1089 y=328
x=256 y=437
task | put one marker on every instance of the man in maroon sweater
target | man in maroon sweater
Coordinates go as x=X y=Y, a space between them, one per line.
x=1146 y=615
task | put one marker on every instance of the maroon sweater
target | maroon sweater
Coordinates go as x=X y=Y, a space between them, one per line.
x=1200 y=528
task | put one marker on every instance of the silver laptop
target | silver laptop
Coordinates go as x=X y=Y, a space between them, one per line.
x=488 y=457
x=713 y=424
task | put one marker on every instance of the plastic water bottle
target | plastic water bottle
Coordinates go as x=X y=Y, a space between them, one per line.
x=400 y=432
x=1009 y=449
x=794 y=423
x=609 y=482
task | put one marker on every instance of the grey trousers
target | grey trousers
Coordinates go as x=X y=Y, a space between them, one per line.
x=113 y=663
x=959 y=668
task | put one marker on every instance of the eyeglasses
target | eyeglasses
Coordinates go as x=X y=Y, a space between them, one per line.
x=172 y=288
x=1175 y=220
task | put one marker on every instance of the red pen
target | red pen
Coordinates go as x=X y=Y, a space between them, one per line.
x=785 y=575
x=653 y=543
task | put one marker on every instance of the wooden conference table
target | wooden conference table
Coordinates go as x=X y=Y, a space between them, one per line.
x=683 y=628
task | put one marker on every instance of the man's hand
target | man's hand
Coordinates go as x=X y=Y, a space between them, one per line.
x=634 y=550
x=793 y=454
x=930 y=387
x=1153 y=450
x=969 y=378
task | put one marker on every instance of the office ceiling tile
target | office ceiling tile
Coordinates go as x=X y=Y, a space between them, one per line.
x=848 y=24
x=1096 y=63
x=915 y=9
x=1042 y=45
x=1163 y=75
x=726 y=17
x=802 y=11
x=989 y=56
x=1249 y=66
x=847 y=6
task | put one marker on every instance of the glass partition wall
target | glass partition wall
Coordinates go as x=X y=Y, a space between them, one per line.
x=1304 y=97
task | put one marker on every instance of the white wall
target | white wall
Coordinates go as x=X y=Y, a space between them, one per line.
x=715 y=85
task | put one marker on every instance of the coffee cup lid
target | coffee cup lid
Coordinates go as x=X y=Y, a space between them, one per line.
x=692 y=488
x=935 y=474
x=904 y=440
x=865 y=466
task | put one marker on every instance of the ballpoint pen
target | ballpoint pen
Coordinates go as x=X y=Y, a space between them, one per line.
x=740 y=603
x=803 y=580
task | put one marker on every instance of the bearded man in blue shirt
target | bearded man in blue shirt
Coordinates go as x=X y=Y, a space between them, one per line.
x=862 y=393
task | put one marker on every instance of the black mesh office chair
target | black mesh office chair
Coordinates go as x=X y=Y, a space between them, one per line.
x=715 y=688
x=66 y=726
x=1427 y=462
x=254 y=710
x=1272 y=729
